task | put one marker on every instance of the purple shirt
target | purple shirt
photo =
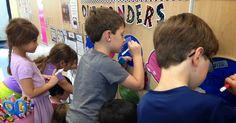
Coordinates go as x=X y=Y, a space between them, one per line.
x=49 y=70
x=23 y=68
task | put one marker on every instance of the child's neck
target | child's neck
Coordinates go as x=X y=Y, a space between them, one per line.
x=100 y=47
x=19 y=52
x=172 y=78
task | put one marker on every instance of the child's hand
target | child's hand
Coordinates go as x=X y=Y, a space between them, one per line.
x=127 y=58
x=53 y=79
x=47 y=77
x=231 y=80
x=135 y=48
x=123 y=61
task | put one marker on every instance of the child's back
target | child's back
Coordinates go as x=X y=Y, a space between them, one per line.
x=184 y=45
x=183 y=105
x=98 y=75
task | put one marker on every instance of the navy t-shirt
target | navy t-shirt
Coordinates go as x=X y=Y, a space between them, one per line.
x=183 y=105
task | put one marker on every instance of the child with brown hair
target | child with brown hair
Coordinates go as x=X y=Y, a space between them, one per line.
x=118 y=111
x=59 y=114
x=184 y=45
x=61 y=56
x=58 y=94
x=22 y=38
x=58 y=58
x=98 y=75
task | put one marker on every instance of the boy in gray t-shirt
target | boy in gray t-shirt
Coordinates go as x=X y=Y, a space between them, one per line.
x=98 y=75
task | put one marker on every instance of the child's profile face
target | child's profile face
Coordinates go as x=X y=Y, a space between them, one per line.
x=70 y=66
x=31 y=46
x=118 y=39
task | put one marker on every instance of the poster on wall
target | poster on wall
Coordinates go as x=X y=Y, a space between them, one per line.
x=71 y=40
x=60 y=36
x=80 y=44
x=53 y=33
x=65 y=12
x=42 y=22
x=74 y=14
x=24 y=9
x=75 y=41
x=57 y=35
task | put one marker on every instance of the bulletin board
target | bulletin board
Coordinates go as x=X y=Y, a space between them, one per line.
x=54 y=17
x=143 y=32
x=220 y=15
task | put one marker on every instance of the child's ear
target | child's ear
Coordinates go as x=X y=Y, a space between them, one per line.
x=62 y=64
x=196 y=57
x=107 y=35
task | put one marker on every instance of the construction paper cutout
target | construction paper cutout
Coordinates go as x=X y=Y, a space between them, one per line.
x=160 y=13
x=148 y=17
x=130 y=16
x=124 y=50
x=138 y=14
x=222 y=68
x=153 y=67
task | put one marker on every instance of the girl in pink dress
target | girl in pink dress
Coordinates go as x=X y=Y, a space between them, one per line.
x=22 y=38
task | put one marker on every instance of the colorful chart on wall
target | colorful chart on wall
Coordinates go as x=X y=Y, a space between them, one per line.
x=153 y=67
x=222 y=68
x=125 y=50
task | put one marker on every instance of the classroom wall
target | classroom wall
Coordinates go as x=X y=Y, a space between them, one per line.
x=53 y=16
x=220 y=15
x=142 y=33
x=14 y=8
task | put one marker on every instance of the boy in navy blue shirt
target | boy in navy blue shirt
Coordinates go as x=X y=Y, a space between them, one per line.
x=184 y=45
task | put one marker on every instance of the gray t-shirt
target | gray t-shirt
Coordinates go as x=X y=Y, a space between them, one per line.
x=95 y=83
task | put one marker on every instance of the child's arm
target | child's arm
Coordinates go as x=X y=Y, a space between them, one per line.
x=29 y=89
x=136 y=80
x=66 y=85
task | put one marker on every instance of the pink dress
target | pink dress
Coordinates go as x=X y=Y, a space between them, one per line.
x=23 y=68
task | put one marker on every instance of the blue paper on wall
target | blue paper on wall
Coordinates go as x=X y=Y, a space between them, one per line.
x=89 y=43
x=124 y=50
x=222 y=68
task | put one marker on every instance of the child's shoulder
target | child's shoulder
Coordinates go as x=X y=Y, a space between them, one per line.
x=96 y=58
x=208 y=100
x=17 y=58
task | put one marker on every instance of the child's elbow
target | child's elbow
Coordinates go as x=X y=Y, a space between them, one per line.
x=140 y=87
